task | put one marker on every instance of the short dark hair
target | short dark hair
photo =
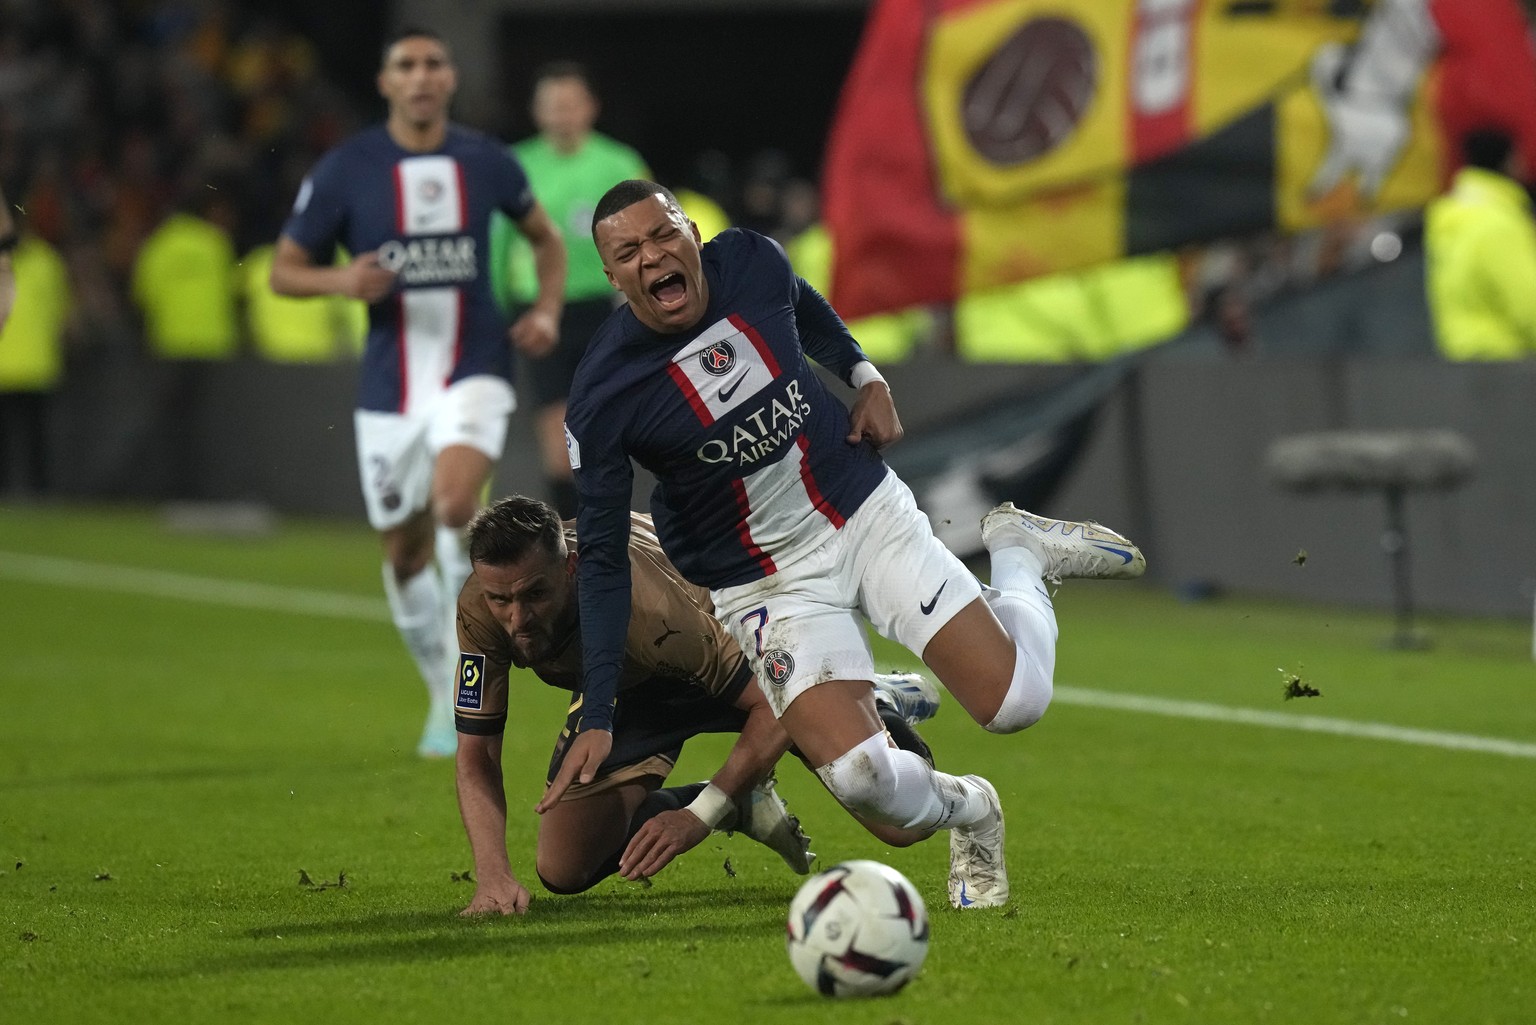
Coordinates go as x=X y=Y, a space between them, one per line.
x=626 y=194
x=411 y=32
x=1488 y=147
x=508 y=530
x=564 y=69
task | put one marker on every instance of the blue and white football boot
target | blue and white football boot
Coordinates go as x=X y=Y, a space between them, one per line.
x=910 y=695
x=978 y=876
x=1066 y=548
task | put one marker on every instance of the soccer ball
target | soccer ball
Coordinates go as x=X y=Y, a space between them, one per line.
x=857 y=929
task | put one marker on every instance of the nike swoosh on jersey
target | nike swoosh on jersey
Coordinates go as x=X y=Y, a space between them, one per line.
x=928 y=606
x=726 y=391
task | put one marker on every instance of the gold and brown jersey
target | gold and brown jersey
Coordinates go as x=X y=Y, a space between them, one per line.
x=673 y=635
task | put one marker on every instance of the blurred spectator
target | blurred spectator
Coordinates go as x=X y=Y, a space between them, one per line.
x=1480 y=255
x=762 y=192
x=706 y=192
x=184 y=283
x=1077 y=316
x=704 y=212
x=285 y=329
x=570 y=165
x=31 y=360
x=799 y=209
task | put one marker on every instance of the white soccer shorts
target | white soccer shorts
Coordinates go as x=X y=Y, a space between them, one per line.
x=802 y=626
x=396 y=452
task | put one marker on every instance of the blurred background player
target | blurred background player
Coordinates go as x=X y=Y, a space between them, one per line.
x=683 y=676
x=570 y=166
x=411 y=199
x=1480 y=255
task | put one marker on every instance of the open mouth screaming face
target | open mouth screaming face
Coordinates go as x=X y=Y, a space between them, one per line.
x=650 y=251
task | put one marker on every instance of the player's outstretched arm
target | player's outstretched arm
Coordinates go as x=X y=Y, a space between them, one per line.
x=536 y=331
x=294 y=273
x=483 y=807
x=756 y=751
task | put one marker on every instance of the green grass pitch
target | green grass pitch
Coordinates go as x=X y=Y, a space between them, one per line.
x=171 y=760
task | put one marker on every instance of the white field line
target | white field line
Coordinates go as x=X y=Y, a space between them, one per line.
x=1283 y=721
x=96 y=576
x=42 y=569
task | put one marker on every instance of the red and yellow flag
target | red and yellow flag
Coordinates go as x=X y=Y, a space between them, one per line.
x=981 y=142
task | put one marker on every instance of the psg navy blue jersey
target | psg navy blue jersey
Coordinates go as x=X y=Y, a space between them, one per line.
x=748 y=446
x=427 y=217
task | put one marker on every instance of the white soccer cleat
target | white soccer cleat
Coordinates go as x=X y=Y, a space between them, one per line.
x=910 y=695
x=1066 y=548
x=978 y=877
x=763 y=816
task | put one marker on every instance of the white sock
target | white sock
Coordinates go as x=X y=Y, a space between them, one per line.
x=452 y=561
x=416 y=606
x=454 y=568
x=899 y=788
x=1023 y=606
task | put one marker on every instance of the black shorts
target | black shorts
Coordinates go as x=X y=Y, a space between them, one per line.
x=547 y=381
x=651 y=721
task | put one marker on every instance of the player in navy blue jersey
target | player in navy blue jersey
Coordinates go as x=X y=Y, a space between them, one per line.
x=772 y=493
x=411 y=200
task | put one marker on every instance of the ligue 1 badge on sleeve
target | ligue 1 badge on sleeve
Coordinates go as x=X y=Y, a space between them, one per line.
x=471 y=684
x=572 y=448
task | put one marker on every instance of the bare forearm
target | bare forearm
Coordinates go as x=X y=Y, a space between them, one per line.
x=756 y=751
x=483 y=807
x=299 y=279
x=549 y=267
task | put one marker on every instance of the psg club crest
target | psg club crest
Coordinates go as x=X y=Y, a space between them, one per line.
x=430 y=190
x=778 y=666
x=718 y=359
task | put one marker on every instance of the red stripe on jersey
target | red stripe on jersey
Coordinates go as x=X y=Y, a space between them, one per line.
x=400 y=347
x=740 y=324
x=458 y=169
x=399 y=202
x=691 y=393
x=817 y=498
x=744 y=532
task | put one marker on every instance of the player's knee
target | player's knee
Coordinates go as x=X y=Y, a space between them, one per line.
x=864 y=781
x=562 y=881
x=1028 y=696
x=453 y=510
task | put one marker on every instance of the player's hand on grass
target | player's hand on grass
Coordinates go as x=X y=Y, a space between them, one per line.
x=502 y=896
x=536 y=332
x=366 y=280
x=582 y=759
x=873 y=417
x=661 y=839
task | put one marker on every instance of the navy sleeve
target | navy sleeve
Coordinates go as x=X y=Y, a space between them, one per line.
x=603 y=590
x=823 y=335
x=604 y=479
x=320 y=211
x=514 y=196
